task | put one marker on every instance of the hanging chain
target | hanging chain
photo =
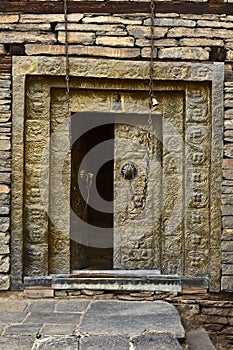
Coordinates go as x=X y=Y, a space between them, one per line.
x=67 y=58
x=151 y=98
x=151 y=95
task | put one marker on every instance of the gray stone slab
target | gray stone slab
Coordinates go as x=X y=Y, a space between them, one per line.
x=58 y=343
x=16 y=343
x=119 y=317
x=116 y=342
x=58 y=329
x=12 y=317
x=13 y=306
x=23 y=329
x=71 y=306
x=52 y=318
x=199 y=339
x=42 y=306
x=159 y=341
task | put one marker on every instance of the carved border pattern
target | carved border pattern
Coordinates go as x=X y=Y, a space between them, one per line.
x=114 y=69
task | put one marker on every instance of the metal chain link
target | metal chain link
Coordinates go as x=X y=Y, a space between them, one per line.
x=149 y=119
x=151 y=91
x=151 y=95
x=67 y=57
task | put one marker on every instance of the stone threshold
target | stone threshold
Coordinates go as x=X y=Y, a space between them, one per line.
x=109 y=280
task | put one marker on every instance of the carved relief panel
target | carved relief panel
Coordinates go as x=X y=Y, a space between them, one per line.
x=174 y=231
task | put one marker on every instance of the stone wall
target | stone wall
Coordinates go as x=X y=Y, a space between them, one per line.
x=5 y=167
x=187 y=37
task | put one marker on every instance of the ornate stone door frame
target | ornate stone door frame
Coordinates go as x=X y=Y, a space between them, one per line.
x=24 y=67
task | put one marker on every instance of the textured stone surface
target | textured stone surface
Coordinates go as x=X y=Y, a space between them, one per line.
x=49 y=18
x=184 y=53
x=58 y=343
x=227 y=284
x=139 y=70
x=186 y=31
x=4 y=282
x=125 y=320
x=22 y=343
x=104 y=343
x=115 y=41
x=200 y=340
x=83 y=50
x=77 y=38
x=4 y=264
x=34 y=37
x=155 y=342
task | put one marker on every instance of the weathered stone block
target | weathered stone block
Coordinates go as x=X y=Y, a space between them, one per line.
x=144 y=32
x=228 y=164
x=171 y=22
x=115 y=41
x=4 y=189
x=25 y=27
x=52 y=18
x=227 y=246
x=217 y=311
x=228 y=150
x=4 y=264
x=229 y=56
x=180 y=32
x=111 y=19
x=4 y=282
x=227 y=285
x=5 y=178
x=227 y=221
x=9 y=18
x=229 y=113
x=214 y=24
x=4 y=224
x=4 y=210
x=201 y=42
x=27 y=37
x=83 y=50
x=5 y=145
x=228 y=103
x=227 y=234
x=184 y=53
x=99 y=29
x=4 y=199
x=146 y=52
x=158 y=43
x=77 y=38
x=227 y=174
x=227 y=258
x=227 y=269
x=228 y=124
x=4 y=249
x=4 y=238
x=214 y=319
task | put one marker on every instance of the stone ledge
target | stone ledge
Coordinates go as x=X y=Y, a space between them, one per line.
x=82 y=51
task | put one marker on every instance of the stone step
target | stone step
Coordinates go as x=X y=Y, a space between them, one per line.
x=161 y=341
x=199 y=340
x=131 y=318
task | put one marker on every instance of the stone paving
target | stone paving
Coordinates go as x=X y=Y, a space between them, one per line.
x=73 y=324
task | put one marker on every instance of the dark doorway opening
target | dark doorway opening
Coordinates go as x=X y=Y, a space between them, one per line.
x=92 y=170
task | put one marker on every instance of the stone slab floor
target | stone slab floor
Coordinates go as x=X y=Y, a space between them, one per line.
x=73 y=324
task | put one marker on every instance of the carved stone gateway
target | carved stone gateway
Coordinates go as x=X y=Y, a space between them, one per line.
x=177 y=230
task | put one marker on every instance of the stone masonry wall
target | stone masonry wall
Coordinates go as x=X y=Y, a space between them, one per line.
x=178 y=36
x=5 y=159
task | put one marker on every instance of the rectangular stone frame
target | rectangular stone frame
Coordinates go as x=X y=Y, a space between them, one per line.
x=115 y=69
